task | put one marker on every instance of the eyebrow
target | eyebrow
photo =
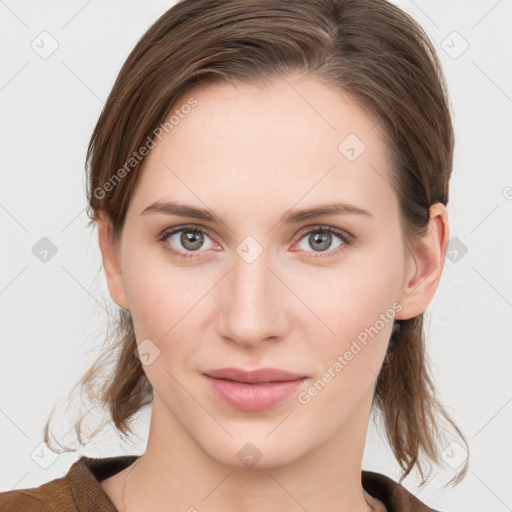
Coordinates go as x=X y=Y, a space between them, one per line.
x=292 y=216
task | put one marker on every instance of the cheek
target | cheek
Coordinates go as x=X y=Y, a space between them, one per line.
x=353 y=295
x=162 y=312
x=349 y=361
x=153 y=308
x=161 y=294
x=358 y=304
x=169 y=306
x=362 y=304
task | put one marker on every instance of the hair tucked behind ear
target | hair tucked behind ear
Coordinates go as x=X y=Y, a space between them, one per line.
x=369 y=50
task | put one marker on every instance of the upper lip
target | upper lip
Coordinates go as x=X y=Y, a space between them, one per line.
x=258 y=375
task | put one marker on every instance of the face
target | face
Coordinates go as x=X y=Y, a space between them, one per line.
x=257 y=286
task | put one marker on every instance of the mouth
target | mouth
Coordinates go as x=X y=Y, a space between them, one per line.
x=260 y=375
x=254 y=390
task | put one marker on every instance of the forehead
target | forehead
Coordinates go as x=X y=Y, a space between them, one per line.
x=287 y=110
x=290 y=140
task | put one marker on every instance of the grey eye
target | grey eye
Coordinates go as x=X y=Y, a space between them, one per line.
x=320 y=240
x=189 y=239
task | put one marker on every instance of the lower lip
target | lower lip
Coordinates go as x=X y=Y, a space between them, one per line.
x=253 y=397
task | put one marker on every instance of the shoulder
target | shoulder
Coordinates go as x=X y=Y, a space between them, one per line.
x=393 y=494
x=78 y=491
x=54 y=496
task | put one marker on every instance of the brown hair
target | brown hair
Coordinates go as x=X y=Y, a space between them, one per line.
x=370 y=50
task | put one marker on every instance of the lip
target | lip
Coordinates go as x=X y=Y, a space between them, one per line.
x=254 y=390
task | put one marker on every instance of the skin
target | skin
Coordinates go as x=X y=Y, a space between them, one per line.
x=250 y=154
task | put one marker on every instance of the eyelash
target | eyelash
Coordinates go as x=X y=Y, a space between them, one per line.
x=345 y=237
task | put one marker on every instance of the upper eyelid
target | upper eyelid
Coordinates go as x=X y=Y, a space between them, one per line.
x=171 y=231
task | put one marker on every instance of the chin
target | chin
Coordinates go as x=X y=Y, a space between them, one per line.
x=254 y=452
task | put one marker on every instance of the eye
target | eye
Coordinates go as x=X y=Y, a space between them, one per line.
x=187 y=239
x=322 y=238
x=184 y=241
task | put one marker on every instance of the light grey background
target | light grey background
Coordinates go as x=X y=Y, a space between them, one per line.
x=52 y=314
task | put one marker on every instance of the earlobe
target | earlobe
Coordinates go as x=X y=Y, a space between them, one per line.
x=425 y=265
x=111 y=264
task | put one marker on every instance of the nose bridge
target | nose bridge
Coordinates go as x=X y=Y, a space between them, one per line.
x=252 y=306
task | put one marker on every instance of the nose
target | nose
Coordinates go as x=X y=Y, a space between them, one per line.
x=253 y=303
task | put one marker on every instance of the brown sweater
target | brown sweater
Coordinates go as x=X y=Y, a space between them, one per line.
x=80 y=490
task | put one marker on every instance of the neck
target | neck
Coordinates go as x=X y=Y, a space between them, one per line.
x=175 y=473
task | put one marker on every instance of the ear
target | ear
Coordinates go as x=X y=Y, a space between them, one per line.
x=111 y=264
x=425 y=266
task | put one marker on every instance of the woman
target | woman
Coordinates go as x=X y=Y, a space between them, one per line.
x=269 y=181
